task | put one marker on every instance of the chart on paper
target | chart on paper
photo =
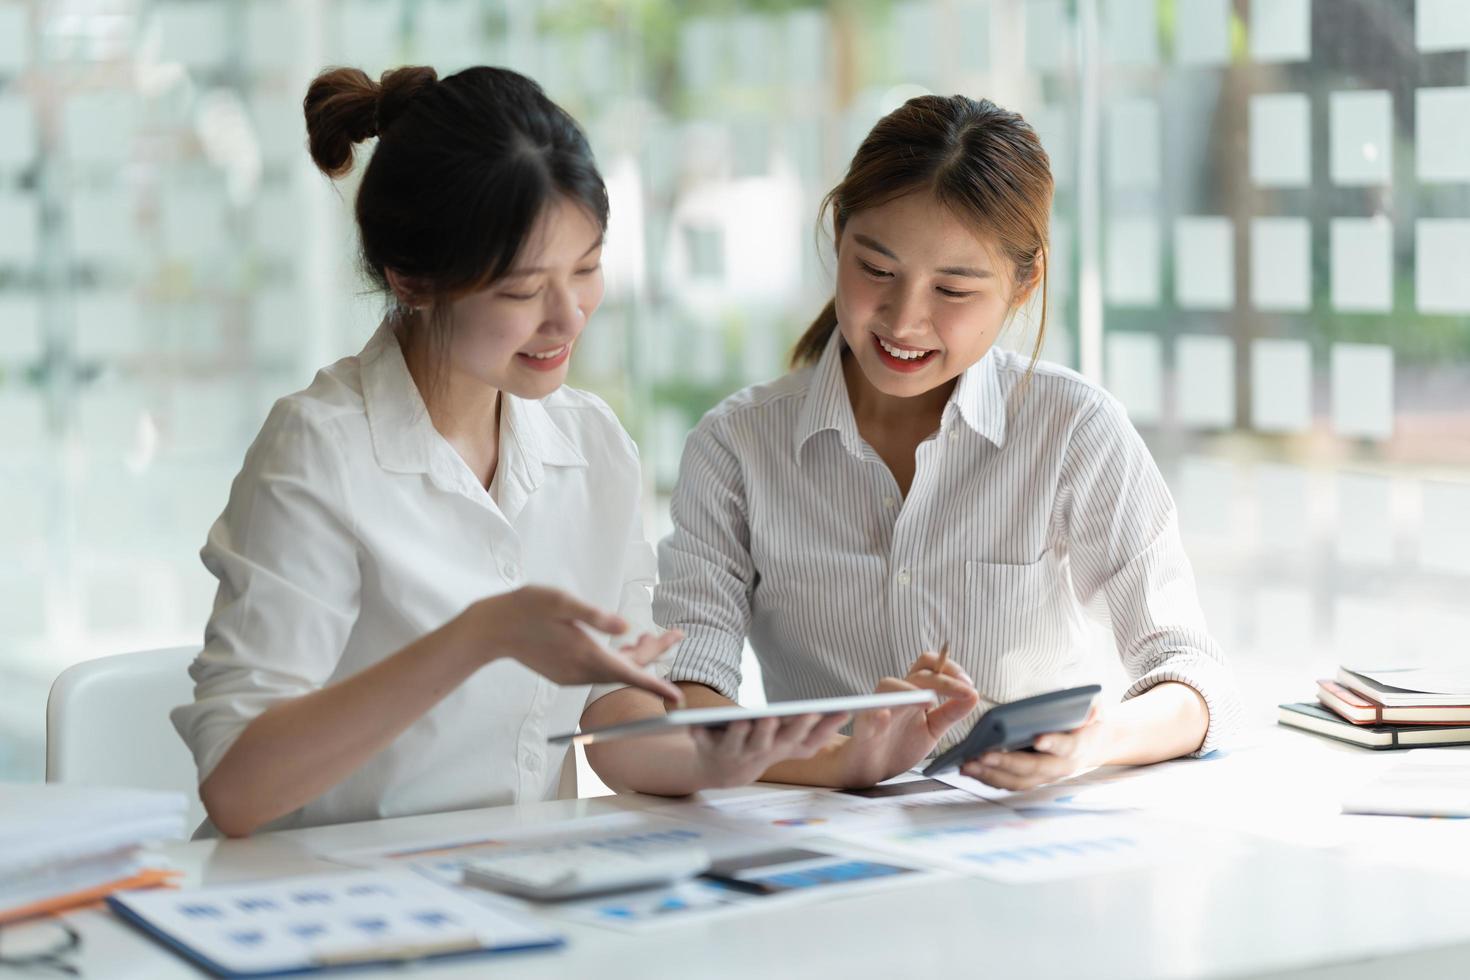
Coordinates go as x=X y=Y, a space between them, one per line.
x=1008 y=847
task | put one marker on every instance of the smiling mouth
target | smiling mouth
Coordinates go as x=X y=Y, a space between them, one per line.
x=546 y=360
x=906 y=358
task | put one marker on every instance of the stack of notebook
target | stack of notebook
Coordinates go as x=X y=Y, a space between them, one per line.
x=1390 y=708
x=62 y=846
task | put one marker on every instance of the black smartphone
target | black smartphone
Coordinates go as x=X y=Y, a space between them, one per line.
x=1017 y=725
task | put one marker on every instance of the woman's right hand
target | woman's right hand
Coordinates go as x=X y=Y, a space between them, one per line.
x=889 y=741
x=546 y=629
x=744 y=750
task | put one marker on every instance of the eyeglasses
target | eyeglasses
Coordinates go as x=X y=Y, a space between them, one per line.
x=52 y=956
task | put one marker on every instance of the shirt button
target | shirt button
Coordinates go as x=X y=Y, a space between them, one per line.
x=530 y=762
x=954 y=434
x=890 y=501
x=509 y=570
x=903 y=576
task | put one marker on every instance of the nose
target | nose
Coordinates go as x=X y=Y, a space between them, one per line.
x=564 y=312
x=905 y=310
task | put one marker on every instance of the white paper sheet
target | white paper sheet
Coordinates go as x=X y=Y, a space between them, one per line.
x=1425 y=783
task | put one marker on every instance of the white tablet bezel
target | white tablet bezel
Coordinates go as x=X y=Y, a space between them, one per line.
x=714 y=717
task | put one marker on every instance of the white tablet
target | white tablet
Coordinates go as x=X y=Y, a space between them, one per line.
x=719 y=717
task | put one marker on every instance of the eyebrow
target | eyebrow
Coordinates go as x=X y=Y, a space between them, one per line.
x=536 y=269
x=949 y=270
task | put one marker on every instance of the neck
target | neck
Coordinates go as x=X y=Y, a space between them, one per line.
x=464 y=410
x=877 y=413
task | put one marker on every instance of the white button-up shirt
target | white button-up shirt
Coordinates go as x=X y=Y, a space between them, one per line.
x=1033 y=498
x=354 y=528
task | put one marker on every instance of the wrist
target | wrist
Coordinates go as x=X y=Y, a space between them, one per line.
x=472 y=637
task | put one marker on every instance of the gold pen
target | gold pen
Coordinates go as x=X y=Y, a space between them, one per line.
x=943 y=659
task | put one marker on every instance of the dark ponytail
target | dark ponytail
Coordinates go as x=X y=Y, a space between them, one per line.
x=809 y=348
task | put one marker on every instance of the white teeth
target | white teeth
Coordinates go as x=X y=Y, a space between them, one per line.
x=548 y=355
x=902 y=355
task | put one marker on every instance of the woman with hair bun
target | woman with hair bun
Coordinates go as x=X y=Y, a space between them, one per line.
x=909 y=487
x=418 y=543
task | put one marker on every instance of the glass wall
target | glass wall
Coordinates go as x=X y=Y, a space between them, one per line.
x=1260 y=243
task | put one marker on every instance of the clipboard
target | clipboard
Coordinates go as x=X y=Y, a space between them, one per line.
x=720 y=717
x=317 y=922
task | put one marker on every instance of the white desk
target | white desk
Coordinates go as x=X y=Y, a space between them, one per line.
x=1280 y=909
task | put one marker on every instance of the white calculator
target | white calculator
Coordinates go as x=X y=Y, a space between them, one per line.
x=572 y=870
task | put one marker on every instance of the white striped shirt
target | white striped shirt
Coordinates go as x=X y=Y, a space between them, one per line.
x=1028 y=502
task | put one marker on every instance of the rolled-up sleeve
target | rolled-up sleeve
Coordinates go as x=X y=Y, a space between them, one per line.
x=285 y=554
x=1122 y=534
x=705 y=570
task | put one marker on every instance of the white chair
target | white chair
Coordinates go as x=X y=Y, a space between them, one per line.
x=107 y=724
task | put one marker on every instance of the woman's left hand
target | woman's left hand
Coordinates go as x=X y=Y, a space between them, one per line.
x=1057 y=756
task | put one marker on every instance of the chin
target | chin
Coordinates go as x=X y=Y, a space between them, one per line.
x=536 y=388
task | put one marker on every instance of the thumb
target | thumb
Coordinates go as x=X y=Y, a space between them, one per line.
x=943 y=717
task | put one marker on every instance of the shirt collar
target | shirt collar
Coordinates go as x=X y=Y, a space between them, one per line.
x=980 y=401
x=826 y=405
x=405 y=440
x=977 y=398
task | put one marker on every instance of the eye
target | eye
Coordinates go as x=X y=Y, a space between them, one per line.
x=589 y=270
x=954 y=293
x=874 y=271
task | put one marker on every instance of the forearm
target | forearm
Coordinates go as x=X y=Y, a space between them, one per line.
x=665 y=765
x=1165 y=722
x=297 y=750
x=669 y=765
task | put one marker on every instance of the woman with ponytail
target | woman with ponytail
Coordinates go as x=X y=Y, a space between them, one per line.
x=910 y=487
x=420 y=544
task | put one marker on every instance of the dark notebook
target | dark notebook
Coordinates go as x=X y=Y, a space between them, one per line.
x=1315 y=718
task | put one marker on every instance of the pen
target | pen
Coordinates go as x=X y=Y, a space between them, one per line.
x=943 y=659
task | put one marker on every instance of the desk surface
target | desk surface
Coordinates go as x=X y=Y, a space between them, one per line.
x=1303 y=893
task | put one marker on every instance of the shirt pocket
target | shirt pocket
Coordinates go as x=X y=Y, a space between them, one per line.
x=1008 y=618
x=1007 y=587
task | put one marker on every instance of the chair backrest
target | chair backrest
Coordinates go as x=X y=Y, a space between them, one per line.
x=107 y=723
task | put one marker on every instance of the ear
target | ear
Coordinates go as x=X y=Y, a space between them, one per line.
x=1024 y=290
x=410 y=292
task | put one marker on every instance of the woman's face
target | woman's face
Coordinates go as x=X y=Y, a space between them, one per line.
x=920 y=297
x=517 y=334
